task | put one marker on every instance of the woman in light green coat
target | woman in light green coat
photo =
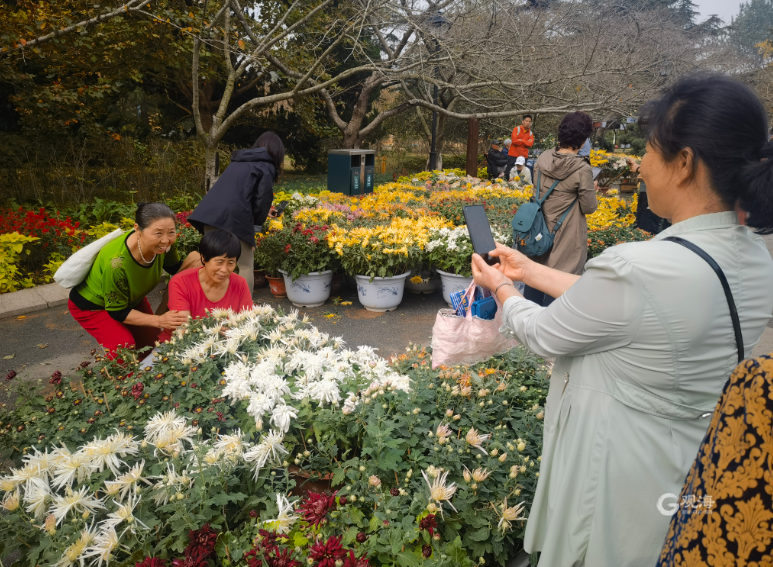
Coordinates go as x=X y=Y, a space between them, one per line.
x=644 y=340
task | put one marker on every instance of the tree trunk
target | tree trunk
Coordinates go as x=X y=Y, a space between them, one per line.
x=210 y=172
x=351 y=139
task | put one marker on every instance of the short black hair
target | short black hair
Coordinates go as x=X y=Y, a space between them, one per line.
x=525 y=116
x=148 y=213
x=574 y=129
x=735 y=150
x=219 y=243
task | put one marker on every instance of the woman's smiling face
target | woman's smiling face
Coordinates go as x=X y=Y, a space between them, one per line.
x=159 y=236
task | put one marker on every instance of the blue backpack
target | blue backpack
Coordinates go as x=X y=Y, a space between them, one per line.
x=530 y=231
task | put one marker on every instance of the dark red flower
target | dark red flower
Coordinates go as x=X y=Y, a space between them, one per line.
x=314 y=240
x=287 y=249
x=77 y=402
x=253 y=514
x=316 y=507
x=362 y=537
x=429 y=523
x=326 y=554
x=137 y=390
x=395 y=492
x=282 y=559
x=352 y=561
x=56 y=378
x=201 y=546
x=84 y=364
x=151 y=562
x=11 y=375
x=426 y=551
x=342 y=500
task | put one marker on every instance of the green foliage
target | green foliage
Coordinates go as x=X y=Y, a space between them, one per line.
x=305 y=250
x=752 y=26
x=11 y=250
x=602 y=238
x=269 y=252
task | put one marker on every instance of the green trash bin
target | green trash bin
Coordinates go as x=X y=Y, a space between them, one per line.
x=351 y=172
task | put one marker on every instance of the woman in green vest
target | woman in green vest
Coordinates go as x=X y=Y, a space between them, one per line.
x=111 y=303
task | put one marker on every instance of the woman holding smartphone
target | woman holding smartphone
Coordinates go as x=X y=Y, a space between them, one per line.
x=645 y=339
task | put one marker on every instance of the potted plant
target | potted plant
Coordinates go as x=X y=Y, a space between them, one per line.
x=424 y=279
x=268 y=259
x=306 y=265
x=450 y=251
x=379 y=257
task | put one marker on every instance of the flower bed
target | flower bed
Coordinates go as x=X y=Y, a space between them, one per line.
x=433 y=200
x=210 y=454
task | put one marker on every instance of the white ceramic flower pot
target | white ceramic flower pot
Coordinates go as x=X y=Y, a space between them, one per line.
x=430 y=286
x=382 y=294
x=309 y=290
x=451 y=283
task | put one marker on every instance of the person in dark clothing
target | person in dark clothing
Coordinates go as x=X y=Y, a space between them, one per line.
x=646 y=220
x=496 y=161
x=242 y=196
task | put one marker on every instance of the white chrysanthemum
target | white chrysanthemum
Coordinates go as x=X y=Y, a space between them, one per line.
x=70 y=468
x=37 y=496
x=350 y=404
x=24 y=475
x=42 y=461
x=107 y=452
x=270 y=448
x=126 y=482
x=74 y=553
x=160 y=423
x=324 y=391
x=104 y=543
x=439 y=491
x=11 y=501
x=231 y=444
x=282 y=416
x=285 y=519
x=77 y=502
x=125 y=513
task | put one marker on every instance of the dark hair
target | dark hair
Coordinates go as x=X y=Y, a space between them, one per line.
x=148 y=213
x=525 y=116
x=218 y=242
x=725 y=125
x=275 y=148
x=574 y=129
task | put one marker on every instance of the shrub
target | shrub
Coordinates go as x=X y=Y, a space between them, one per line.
x=602 y=238
x=11 y=249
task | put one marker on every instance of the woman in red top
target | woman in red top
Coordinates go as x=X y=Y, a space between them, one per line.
x=212 y=286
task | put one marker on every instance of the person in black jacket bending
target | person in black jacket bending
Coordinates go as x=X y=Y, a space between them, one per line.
x=496 y=161
x=242 y=196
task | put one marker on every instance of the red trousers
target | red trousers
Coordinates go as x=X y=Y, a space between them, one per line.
x=111 y=334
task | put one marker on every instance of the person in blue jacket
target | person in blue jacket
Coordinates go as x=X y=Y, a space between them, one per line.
x=241 y=198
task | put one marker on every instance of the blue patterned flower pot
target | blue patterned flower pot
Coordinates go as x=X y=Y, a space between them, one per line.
x=452 y=283
x=381 y=294
x=309 y=290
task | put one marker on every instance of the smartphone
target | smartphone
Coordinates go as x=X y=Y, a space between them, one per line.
x=281 y=207
x=480 y=232
x=596 y=171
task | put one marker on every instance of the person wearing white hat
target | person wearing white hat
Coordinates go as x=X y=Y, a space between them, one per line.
x=520 y=170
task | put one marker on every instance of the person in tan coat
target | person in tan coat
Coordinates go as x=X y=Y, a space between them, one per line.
x=576 y=190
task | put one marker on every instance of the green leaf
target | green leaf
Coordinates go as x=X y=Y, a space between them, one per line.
x=407 y=559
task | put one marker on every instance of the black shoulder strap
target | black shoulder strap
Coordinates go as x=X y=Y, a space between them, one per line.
x=725 y=286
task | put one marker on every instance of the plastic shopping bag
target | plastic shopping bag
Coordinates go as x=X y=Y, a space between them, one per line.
x=468 y=339
x=76 y=267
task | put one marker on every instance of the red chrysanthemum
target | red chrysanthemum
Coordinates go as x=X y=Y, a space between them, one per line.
x=201 y=546
x=326 y=554
x=316 y=507
x=428 y=523
x=137 y=390
x=56 y=378
x=151 y=562
x=352 y=561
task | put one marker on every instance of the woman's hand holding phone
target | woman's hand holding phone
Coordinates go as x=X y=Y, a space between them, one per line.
x=512 y=263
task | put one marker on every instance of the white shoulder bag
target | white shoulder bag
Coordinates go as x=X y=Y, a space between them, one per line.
x=76 y=267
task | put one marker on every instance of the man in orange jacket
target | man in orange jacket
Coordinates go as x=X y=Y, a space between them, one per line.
x=522 y=139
